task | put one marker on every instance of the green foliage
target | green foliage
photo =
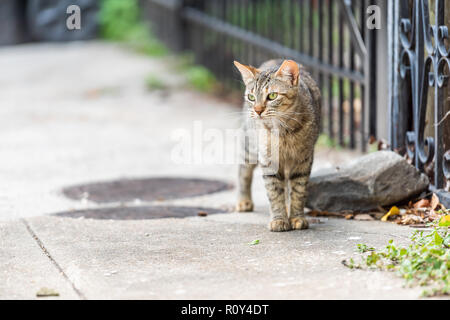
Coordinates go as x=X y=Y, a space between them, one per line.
x=200 y=78
x=373 y=147
x=154 y=83
x=425 y=262
x=325 y=141
x=120 y=21
x=362 y=248
x=118 y=18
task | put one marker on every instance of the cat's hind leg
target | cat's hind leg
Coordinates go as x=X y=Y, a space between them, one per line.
x=245 y=202
x=275 y=187
x=298 y=184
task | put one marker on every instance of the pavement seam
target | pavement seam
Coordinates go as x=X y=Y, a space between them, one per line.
x=49 y=256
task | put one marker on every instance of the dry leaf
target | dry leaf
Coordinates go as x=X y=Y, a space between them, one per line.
x=393 y=212
x=424 y=203
x=46 y=292
x=202 y=214
x=411 y=219
x=364 y=217
x=435 y=202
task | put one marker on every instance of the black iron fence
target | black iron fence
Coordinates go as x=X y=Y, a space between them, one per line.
x=329 y=37
x=420 y=91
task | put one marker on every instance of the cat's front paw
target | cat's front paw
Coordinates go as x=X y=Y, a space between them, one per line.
x=279 y=225
x=299 y=223
x=244 y=205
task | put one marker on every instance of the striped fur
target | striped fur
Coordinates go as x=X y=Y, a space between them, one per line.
x=295 y=114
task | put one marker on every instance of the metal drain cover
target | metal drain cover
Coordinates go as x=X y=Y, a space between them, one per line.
x=151 y=189
x=139 y=213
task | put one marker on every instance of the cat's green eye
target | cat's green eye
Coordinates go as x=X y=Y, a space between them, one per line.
x=251 y=97
x=273 y=96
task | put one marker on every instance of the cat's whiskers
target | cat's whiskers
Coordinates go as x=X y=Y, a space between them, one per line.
x=287 y=117
x=278 y=121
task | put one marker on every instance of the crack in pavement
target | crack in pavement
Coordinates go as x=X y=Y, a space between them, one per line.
x=47 y=253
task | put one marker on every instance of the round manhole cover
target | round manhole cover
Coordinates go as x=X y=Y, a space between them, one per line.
x=139 y=213
x=151 y=189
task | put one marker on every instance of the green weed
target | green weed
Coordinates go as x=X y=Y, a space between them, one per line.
x=423 y=263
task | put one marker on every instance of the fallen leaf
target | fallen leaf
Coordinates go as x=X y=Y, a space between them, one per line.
x=435 y=202
x=393 y=212
x=424 y=203
x=364 y=217
x=93 y=93
x=202 y=214
x=411 y=219
x=254 y=242
x=445 y=221
x=46 y=292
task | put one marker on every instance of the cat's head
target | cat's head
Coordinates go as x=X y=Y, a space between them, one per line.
x=272 y=92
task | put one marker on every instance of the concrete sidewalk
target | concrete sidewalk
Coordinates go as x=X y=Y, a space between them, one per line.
x=79 y=113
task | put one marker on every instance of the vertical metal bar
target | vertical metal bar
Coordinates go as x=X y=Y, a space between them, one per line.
x=352 y=91
x=320 y=52
x=311 y=27
x=341 y=82
x=331 y=62
x=245 y=24
x=223 y=42
x=392 y=52
x=293 y=24
x=274 y=23
x=370 y=82
x=363 y=86
x=439 y=111
x=302 y=25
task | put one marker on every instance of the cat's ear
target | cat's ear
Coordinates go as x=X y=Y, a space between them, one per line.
x=248 y=72
x=289 y=71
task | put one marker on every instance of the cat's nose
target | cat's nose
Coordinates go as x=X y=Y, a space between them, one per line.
x=259 y=109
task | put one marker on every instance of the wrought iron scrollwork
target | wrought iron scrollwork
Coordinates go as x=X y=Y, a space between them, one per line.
x=446 y=165
x=424 y=59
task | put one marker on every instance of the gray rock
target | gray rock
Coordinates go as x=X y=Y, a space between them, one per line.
x=381 y=178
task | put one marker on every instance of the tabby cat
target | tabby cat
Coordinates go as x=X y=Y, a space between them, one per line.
x=282 y=96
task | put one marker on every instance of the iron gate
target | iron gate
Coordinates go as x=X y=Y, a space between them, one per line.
x=329 y=37
x=419 y=99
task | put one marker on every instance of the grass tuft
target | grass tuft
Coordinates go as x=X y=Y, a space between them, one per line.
x=423 y=263
x=153 y=83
